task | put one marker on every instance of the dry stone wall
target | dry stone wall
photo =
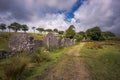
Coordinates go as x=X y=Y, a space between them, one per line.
x=21 y=42
x=24 y=42
x=52 y=41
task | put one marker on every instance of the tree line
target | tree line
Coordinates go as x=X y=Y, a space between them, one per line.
x=94 y=33
x=17 y=27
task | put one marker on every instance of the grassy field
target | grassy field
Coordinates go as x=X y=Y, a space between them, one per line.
x=102 y=60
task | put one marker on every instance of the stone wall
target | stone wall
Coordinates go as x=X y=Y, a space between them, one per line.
x=52 y=41
x=21 y=42
x=24 y=42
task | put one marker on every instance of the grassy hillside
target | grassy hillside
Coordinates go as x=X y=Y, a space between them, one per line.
x=102 y=59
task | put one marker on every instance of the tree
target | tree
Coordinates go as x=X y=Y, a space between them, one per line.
x=61 y=32
x=2 y=27
x=70 y=32
x=34 y=29
x=49 y=30
x=15 y=26
x=9 y=27
x=78 y=37
x=82 y=33
x=40 y=30
x=108 y=34
x=55 y=30
x=24 y=28
x=94 y=33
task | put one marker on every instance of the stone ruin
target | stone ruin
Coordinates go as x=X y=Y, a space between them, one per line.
x=21 y=42
x=52 y=41
x=24 y=42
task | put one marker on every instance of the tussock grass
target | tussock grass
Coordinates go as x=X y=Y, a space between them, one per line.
x=14 y=68
x=102 y=64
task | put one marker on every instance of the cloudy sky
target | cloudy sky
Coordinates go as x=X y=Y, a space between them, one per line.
x=83 y=14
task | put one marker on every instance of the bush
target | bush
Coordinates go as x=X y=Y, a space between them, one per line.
x=38 y=58
x=78 y=37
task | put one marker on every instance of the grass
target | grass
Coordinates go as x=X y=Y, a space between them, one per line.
x=38 y=36
x=102 y=60
x=26 y=66
x=4 y=39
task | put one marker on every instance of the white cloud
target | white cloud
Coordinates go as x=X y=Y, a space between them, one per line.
x=95 y=13
x=51 y=21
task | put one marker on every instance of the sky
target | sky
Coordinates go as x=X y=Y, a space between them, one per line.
x=60 y=14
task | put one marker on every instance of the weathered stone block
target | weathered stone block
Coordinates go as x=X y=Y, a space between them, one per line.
x=21 y=42
x=50 y=40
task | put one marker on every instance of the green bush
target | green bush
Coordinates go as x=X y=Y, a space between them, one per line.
x=38 y=58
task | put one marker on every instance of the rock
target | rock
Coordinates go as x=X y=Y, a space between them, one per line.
x=21 y=42
x=50 y=40
x=4 y=54
x=38 y=43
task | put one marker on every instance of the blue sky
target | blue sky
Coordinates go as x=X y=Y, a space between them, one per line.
x=70 y=14
x=60 y=14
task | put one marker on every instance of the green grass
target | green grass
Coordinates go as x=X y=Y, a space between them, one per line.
x=29 y=66
x=4 y=39
x=38 y=36
x=102 y=60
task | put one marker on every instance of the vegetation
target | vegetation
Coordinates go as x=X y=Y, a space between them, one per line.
x=61 y=32
x=108 y=34
x=2 y=27
x=78 y=37
x=15 y=26
x=26 y=66
x=40 y=30
x=34 y=29
x=94 y=33
x=55 y=30
x=48 y=30
x=102 y=60
x=24 y=28
x=70 y=32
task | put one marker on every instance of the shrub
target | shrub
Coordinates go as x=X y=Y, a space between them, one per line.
x=38 y=58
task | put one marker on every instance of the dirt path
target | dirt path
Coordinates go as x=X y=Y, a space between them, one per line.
x=70 y=68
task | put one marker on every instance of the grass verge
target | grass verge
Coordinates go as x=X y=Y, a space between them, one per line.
x=102 y=60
